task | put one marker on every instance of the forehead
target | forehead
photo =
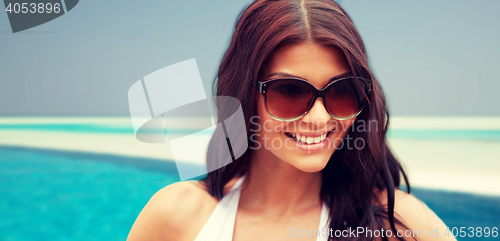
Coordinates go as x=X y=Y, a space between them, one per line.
x=313 y=62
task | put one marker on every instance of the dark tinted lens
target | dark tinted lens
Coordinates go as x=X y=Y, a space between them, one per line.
x=288 y=98
x=343 y=98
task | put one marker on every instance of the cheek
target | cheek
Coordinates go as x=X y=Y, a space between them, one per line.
x=346 y=124
x=271 y=126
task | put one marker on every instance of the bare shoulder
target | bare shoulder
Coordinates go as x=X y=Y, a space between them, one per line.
x=176 y=212
x=416 y=215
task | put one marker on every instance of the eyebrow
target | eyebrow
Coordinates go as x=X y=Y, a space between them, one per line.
x=283 y=74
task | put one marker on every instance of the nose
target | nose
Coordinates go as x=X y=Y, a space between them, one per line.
x=317 y=114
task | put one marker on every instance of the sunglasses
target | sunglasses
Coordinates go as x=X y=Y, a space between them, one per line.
x=289 y=99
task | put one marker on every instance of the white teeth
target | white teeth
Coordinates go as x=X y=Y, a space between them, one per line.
x=308 y=139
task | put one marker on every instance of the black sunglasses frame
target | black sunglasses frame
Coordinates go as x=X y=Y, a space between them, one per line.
x=262 y=87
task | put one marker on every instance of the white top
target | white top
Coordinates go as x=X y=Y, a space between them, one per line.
x=220 y=224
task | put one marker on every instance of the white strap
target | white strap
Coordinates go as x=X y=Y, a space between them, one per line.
x=220 y=224
x=323 y=222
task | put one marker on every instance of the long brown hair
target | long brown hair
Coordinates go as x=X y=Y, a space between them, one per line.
x=351 y=175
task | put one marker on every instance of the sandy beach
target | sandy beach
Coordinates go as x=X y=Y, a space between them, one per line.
x=462 y=165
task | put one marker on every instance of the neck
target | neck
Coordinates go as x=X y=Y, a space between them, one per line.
x=276 y=185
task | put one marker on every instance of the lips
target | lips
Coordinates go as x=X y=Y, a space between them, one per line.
x=307 y=139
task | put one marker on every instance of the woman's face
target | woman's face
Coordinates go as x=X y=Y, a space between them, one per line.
x=317 y=64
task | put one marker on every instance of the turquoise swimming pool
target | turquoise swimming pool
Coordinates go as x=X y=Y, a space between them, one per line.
x=55 y=195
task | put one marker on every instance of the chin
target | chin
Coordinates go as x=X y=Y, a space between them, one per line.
x=311 y=164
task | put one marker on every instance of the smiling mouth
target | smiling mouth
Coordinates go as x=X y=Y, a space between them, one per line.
x=303 y=139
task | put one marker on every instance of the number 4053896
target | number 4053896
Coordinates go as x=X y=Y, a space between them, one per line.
x=33 y=8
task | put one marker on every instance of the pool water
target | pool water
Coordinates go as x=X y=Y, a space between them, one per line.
x=66 y=196
x=56 y=195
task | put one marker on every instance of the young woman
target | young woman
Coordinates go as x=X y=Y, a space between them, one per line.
x=316 y=121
